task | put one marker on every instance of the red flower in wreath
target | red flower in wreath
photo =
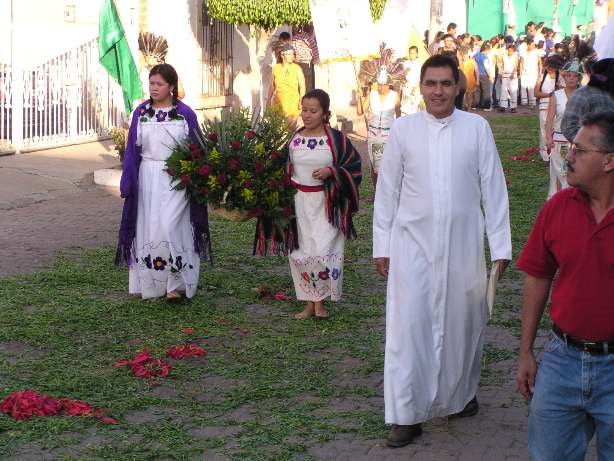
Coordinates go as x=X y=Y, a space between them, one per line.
x=171 y=172
x=212 y=136
x=248 y=184
x=235 y=145
x=274 y=155
x=250 y=134
x=195 y=151
x=222 y=179
x=260 y=167
x=204 y=170
x=233 y=164
x=287 y=211
x=287 y=181
x=204 y=190
x=185 y=179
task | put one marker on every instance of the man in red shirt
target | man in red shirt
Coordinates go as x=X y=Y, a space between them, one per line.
x=573 y=238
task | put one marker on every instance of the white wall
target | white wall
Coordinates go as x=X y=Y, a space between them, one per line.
x=41 y=33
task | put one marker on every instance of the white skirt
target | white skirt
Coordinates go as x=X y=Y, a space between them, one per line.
x=317 y=265
x=164 y=242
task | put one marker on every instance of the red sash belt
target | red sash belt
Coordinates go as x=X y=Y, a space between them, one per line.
x=304 y=188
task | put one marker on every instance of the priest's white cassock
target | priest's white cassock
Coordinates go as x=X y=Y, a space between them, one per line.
x=435 y=178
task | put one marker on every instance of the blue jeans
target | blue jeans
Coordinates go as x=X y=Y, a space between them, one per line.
x=573 y=400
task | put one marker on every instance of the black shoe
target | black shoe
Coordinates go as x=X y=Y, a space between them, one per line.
x=501 y=109
x=471 y=409
x=401 y=435
x=513 y=110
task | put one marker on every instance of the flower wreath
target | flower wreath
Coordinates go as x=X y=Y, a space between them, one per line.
x=238 y=165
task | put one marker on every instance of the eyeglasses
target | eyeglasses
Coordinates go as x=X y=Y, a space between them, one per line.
x=579 y=151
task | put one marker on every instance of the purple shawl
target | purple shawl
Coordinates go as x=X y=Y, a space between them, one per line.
x=129 y=188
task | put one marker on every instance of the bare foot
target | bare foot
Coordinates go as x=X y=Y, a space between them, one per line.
x=320 y=312
x=173 y=295
x=307 y=312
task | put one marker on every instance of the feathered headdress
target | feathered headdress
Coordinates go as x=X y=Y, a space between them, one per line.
x=153 y=45
x=376 y=69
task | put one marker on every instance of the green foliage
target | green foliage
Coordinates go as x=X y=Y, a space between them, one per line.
x=269 y=14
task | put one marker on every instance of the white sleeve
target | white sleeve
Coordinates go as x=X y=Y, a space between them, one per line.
x=388 y=192
x=494 y=197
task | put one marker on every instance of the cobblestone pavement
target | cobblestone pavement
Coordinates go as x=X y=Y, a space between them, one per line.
x=32 y=233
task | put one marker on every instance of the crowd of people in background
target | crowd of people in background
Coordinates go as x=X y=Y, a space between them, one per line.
x=508 y=70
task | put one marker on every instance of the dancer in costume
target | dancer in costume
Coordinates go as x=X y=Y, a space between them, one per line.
x=383 y=104
x=326 y=171
x=556 y=144
x=162 y=234
x=287 y=86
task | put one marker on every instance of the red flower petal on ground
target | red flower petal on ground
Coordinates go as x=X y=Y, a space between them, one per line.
x=212 y=136
x=532 y=150
x=250 y=134
x=144 y=365
x=280 y=295
x=186 y=350
x=76 y=407
x=107 y=420
x=188 y=330
x=235 y=145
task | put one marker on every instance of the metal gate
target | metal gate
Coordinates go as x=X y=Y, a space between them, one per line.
x=68 y=99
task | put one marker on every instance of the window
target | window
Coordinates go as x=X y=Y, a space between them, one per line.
x=217 y=65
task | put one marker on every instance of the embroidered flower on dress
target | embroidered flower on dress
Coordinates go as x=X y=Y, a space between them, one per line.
x=147 y=261
x=312 y=143
x=306 y=277
x=327 y=141
x=159 y=264
x=296 y=141
x=161 y=116
x=324 y=274
x=335 y=273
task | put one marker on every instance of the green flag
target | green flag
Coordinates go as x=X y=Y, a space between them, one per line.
x=115 y=56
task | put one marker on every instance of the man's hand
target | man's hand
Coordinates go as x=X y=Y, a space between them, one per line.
x=525 y=378
x=503 y=263
x=381 y=264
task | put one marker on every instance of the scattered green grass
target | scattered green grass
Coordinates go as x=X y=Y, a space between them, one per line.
x=75 y=320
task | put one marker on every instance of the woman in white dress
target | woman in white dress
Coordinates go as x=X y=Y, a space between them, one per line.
x=326 y=171
x=544 y=89
x=556 y=143
x=162 y=233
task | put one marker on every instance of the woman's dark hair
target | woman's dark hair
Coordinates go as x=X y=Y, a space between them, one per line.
x=169 y=75
x=441 y=60
x=602 y=75
x=324 y=100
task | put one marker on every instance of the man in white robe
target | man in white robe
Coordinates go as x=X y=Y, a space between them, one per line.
x=439 y=169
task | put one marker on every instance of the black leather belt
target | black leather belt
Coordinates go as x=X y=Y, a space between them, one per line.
x=592 y=347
